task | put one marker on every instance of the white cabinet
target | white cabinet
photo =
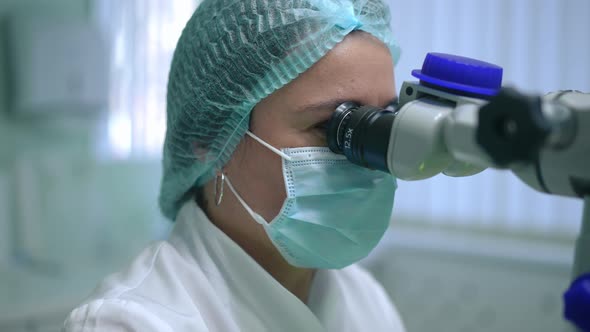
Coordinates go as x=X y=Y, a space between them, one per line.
x=59 y=64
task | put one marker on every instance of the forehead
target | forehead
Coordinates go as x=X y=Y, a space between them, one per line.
x=359 y=69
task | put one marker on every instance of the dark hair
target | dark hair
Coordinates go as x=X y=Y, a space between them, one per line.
x=198 y=194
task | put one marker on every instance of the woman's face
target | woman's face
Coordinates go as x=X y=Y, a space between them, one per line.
x=360 y=69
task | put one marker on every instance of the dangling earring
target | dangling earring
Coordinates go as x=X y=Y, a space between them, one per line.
x=219 y=188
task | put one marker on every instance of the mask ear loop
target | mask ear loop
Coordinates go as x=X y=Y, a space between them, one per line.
x=248 y=209
x=270 y=147
x=221 y=174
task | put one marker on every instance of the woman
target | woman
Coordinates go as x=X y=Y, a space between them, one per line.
x=268 y=221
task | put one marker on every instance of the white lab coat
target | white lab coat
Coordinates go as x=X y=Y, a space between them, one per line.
x=200 y=280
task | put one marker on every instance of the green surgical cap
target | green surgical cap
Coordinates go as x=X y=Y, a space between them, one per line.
x=231 y=55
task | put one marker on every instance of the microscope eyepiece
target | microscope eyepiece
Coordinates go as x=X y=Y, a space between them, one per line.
x=361 y=133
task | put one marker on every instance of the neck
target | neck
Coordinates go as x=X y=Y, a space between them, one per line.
x=255 y=242
x=297 y=280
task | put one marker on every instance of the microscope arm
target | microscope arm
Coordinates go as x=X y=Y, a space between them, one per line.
x=544 y=141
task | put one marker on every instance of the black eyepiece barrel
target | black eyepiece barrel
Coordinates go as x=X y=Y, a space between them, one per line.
x=362 y=134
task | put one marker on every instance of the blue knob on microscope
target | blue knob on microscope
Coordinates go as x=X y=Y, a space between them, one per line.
x=460 y=75
x=577 y=302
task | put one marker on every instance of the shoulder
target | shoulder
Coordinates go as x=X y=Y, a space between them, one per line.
x=113 y=315
x=371 y=296
x=148 y=295
x=147 y=266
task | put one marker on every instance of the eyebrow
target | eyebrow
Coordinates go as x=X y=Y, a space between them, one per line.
x=332 y=104
x=322 y=105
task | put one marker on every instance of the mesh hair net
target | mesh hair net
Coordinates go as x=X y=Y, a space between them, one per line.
x=231 y=55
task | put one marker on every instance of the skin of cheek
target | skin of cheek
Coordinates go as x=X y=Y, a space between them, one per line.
x=256 y=168
x=258 y=171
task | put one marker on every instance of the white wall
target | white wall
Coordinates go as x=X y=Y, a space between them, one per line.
x=543 y=45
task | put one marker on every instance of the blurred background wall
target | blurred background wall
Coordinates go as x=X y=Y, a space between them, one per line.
x=79 y=175
x=72 y=207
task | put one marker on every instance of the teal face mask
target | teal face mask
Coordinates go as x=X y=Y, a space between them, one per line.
x=335 y=212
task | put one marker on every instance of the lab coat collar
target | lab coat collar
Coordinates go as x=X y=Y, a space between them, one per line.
x=239 y=280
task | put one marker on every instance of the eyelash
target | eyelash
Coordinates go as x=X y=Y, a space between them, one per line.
x=323 y=126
